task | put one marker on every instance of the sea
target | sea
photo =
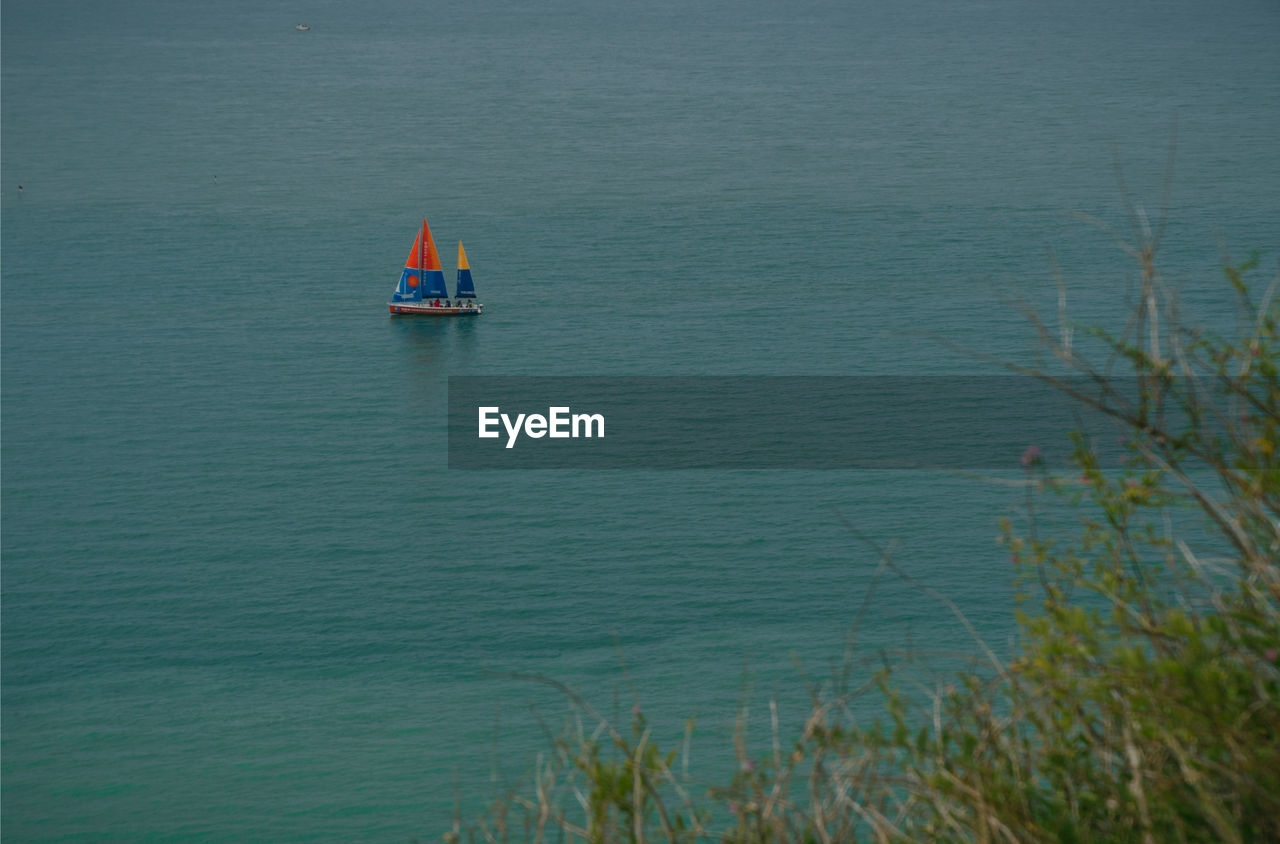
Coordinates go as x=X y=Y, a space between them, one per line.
x=243 y=595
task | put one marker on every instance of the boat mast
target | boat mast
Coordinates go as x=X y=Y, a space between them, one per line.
x=422 y=274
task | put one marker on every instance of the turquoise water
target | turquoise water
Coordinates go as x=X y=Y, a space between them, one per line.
x=243 y=597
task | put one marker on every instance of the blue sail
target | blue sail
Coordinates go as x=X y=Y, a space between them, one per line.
x=435 y=284
x=466 y=290
x=409 y=289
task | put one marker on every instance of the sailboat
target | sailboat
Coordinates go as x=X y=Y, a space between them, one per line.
x=422 y=290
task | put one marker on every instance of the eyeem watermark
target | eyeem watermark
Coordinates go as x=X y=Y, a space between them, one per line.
x=779 y=422
x=559 y=424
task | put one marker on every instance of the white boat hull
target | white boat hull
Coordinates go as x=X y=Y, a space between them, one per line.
x=425 y=309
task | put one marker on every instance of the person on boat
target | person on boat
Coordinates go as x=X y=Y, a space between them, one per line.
x=435 y=304
x=446 y=304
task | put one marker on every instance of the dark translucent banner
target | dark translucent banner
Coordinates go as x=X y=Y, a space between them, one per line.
x=680 y=422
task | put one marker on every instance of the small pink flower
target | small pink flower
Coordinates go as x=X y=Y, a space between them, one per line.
x=1031 y=456
x=733 y=808
x=1271 y=655
x=635 y=711
x=748 y=764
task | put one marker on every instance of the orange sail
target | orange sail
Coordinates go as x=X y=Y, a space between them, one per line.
x=428 y=259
